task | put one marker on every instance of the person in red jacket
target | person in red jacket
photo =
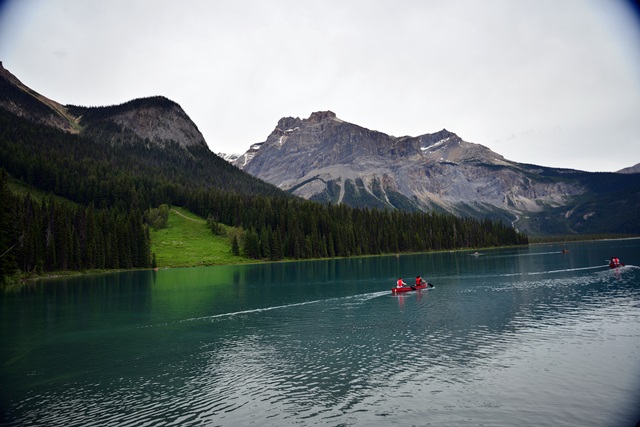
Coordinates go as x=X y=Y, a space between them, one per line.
x=421 y=281
x=615 y=262
x=400 y=284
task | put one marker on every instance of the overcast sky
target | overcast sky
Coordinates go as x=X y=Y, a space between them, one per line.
x=554 y=83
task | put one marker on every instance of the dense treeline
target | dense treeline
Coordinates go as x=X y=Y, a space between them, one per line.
x=294 y=228
x=51 y=236
x=114 y=176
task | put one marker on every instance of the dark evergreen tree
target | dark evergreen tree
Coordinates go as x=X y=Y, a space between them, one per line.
x=8 y=235
x=235 y=247
x=251 y=244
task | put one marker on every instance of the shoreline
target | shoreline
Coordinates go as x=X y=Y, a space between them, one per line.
x=24 y=279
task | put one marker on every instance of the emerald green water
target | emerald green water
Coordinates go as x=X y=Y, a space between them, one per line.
x=518 y=336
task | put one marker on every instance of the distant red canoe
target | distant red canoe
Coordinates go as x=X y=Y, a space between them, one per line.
x=407 y=289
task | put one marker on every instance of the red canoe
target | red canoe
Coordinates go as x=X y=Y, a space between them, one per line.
x=407 y=289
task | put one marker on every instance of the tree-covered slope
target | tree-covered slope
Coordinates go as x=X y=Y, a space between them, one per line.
x=90 y=170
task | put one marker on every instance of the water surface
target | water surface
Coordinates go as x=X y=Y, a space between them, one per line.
x=518 y=336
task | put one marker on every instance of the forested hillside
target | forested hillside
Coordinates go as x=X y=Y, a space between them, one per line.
x=53 y=236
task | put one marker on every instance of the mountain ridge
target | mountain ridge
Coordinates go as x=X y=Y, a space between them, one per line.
x=321 y=158
x=152 y=135
x=156 y=119
x=326 y=159
x=25 y=102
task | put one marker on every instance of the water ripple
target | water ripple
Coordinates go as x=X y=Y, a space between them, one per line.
x=480 y=349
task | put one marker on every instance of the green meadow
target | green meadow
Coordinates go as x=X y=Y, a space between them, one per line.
x=188 y=242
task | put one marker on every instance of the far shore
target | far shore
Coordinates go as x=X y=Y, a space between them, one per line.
x=23 y=279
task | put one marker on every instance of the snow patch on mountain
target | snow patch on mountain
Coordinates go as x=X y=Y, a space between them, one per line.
x=229 y=157
x=436 y=145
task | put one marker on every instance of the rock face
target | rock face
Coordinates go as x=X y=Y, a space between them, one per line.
x=325 y=159
x=156 y=119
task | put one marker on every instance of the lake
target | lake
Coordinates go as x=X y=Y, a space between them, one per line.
x=517 y=336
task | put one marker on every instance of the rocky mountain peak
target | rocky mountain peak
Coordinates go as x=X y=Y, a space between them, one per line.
x=155 y=119
x=442 y=135
x=326 y=159
x=287 y=124
x=320 y=116
x=160 y=119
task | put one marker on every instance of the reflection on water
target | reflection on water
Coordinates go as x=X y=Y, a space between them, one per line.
x=525 y=336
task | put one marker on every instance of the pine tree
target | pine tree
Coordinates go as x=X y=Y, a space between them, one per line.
x=235 y=247
x=275 y=244
x=265 y=243
x=8 y=238
x=251 y=244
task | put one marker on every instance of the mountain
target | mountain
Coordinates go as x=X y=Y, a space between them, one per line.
x=154 y=120
x=631 y=169
x=149 y=144
x=115 y=163
x=326 y=159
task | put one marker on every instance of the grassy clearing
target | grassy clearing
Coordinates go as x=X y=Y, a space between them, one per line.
x=187 y=242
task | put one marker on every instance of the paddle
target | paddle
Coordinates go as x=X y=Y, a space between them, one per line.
x=429 y=285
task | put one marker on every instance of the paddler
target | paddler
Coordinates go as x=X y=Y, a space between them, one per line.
x=400 y=284
x=421 y=281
